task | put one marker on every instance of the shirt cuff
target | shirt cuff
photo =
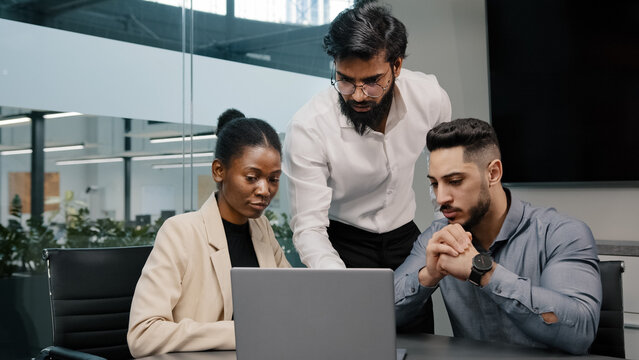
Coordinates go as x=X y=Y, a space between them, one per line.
x=329 y=263
x=499 y=277
x=414 y=288
x=505 y=286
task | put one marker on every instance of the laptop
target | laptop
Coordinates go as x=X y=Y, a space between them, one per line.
x=299 y=313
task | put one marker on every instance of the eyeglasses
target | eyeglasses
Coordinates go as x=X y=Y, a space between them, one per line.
x=372 y=89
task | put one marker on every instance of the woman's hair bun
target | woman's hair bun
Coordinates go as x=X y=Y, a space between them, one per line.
x=226 y=116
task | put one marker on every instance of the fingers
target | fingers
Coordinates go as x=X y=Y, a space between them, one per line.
x=440 y=248
x=449 y=242
x=458 y=266
x=462 y=236
x=453 y=236
x=441 y=269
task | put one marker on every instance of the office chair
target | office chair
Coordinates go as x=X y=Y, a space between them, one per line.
x=91 y=292
x=609 y=340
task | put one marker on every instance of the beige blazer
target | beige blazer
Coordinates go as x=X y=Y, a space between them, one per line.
x=182 y=301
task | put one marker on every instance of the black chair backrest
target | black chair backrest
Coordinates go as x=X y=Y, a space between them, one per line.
x=609 y=340
x=91 y=292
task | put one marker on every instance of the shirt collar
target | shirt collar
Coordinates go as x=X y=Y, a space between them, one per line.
x=512 y=221
x=398 y=108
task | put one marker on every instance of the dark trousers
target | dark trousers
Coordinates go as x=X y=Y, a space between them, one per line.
x=363 y=249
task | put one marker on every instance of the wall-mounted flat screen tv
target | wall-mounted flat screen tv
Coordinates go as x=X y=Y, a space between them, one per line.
x=564 y=89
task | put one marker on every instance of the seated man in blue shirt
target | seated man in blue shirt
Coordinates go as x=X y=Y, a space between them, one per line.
x=508 y=271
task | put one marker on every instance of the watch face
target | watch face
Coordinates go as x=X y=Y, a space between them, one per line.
x=483 y=262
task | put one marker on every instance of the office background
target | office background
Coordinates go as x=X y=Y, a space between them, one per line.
x=165 y=91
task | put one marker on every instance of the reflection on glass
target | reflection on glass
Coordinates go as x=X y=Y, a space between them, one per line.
x=208 y=6
x=86 y=155
x=302 y=12
x=85 y=180
x=278 y=34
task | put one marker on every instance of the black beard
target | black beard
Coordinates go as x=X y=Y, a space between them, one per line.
x=372 y=119
x=478 y=211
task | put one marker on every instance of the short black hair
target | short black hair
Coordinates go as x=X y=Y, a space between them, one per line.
x=238 y=133
x=364 y=31
x=226 y=116
x=477 y=137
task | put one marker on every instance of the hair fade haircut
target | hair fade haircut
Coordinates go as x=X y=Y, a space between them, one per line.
x=477 y=137
x=364 y=31
x=239 y=133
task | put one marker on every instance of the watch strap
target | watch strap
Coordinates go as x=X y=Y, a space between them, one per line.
x=475 y=276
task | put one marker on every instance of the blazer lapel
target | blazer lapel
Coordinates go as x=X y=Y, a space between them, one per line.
x=222 y=265
x=219 y=252
x=261 y=244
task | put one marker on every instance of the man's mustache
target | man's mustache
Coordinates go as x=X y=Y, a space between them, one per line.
x=448 y=208
x=362 y=103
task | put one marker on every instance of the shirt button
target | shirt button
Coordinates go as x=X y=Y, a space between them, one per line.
x=412 y=290
x=389 y=192
x=498 y=291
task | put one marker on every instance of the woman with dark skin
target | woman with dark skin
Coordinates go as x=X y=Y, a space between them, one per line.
x=183 y=299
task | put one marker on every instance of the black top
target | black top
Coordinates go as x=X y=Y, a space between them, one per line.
x=241 y=250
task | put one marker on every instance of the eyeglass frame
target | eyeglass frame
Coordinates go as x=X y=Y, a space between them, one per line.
x=334 y=82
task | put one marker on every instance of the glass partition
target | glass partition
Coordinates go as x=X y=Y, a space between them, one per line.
x=280 y=34
x=135 y=172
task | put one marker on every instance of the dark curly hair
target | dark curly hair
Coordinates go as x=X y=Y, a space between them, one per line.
x=364 y=31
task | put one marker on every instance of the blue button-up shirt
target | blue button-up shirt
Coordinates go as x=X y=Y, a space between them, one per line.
x=547 y=262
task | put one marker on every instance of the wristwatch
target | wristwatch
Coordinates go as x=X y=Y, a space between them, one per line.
x=482 y=263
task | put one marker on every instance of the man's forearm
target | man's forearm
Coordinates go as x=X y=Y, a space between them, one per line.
x=531 y=307
x=316 y=251
x=410 y=297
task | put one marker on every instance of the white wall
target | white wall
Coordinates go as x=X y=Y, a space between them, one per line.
x=448 y=38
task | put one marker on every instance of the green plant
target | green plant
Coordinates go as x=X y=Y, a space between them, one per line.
x=20 y=247
x=10 y=239
x=115 y=233
x=68 y=206
x=79 y=230
x=83 y=232
x=284 y=236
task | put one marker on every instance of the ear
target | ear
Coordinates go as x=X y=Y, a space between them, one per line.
x=495 y=171
x=217 y=169
x=397 y=66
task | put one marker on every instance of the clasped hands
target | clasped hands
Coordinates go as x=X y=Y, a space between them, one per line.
x=449 y=252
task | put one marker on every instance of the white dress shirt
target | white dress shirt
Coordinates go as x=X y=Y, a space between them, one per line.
x=364 y=181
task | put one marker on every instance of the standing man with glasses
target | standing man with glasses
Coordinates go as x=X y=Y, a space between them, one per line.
x=350 y=154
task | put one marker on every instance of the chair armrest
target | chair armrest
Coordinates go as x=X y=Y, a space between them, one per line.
x=58 y=352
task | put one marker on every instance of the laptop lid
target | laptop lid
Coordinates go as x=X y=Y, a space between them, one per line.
x=297 y=313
